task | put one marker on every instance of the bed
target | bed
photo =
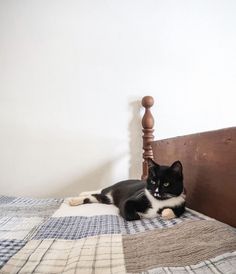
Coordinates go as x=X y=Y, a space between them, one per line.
x=48 y=236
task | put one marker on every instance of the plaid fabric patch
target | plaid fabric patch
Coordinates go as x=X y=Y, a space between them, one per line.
x=36 y=202
x=6 y=199
x=78 y=227
x=150 y=224
x=8 y=248
x=18 y=228
x=72 y=228
x=225 y=263
x=98 y=255
x=27 y=207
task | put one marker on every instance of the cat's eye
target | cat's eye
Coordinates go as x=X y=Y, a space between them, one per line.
x=166 y=184
x=153 y=182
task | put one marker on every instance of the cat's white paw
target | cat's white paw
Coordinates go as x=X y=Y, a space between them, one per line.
x=76 y=201
x=168 y=214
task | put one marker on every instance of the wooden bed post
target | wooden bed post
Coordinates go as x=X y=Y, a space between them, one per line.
x=148 y=137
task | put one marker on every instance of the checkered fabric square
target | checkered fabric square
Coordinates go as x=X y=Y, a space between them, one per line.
x=18 y=227
x=72 y=228
x=151 y=224
x=98 y=255
x=225 y=263
x=20 y=201
x=27 y=207
x=8 y=248
x=78 y=227
x=6 y=199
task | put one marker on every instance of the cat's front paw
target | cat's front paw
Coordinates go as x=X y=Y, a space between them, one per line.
x=168 y=214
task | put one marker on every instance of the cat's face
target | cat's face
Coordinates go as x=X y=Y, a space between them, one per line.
x=165 y=182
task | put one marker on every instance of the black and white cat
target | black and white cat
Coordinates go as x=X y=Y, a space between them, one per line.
x=161 y=194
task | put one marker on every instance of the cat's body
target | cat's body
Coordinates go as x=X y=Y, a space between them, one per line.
x=137 y=199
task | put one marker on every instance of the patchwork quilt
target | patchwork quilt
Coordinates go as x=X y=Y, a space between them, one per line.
x=47 y=236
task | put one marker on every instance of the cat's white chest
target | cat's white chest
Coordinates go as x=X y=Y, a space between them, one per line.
x=156 y=205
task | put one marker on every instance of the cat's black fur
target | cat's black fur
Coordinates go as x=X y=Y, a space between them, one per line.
x=164 y=183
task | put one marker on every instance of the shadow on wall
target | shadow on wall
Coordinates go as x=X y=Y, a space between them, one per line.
x=135 y=141
x=103 y=175
x=98 y=178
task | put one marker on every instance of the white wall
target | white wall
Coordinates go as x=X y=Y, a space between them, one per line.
x=72 y=73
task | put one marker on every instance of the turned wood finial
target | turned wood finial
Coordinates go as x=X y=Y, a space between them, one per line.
x=148 y=137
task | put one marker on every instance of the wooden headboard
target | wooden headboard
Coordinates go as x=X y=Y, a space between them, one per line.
x=209 y=162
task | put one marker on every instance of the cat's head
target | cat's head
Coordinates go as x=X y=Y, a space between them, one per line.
x=165 y=182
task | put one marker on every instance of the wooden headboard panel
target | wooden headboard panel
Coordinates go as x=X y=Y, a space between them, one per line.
x=209 y=162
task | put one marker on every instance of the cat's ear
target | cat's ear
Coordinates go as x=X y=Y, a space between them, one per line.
x=177 y=167
x=151 y=163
